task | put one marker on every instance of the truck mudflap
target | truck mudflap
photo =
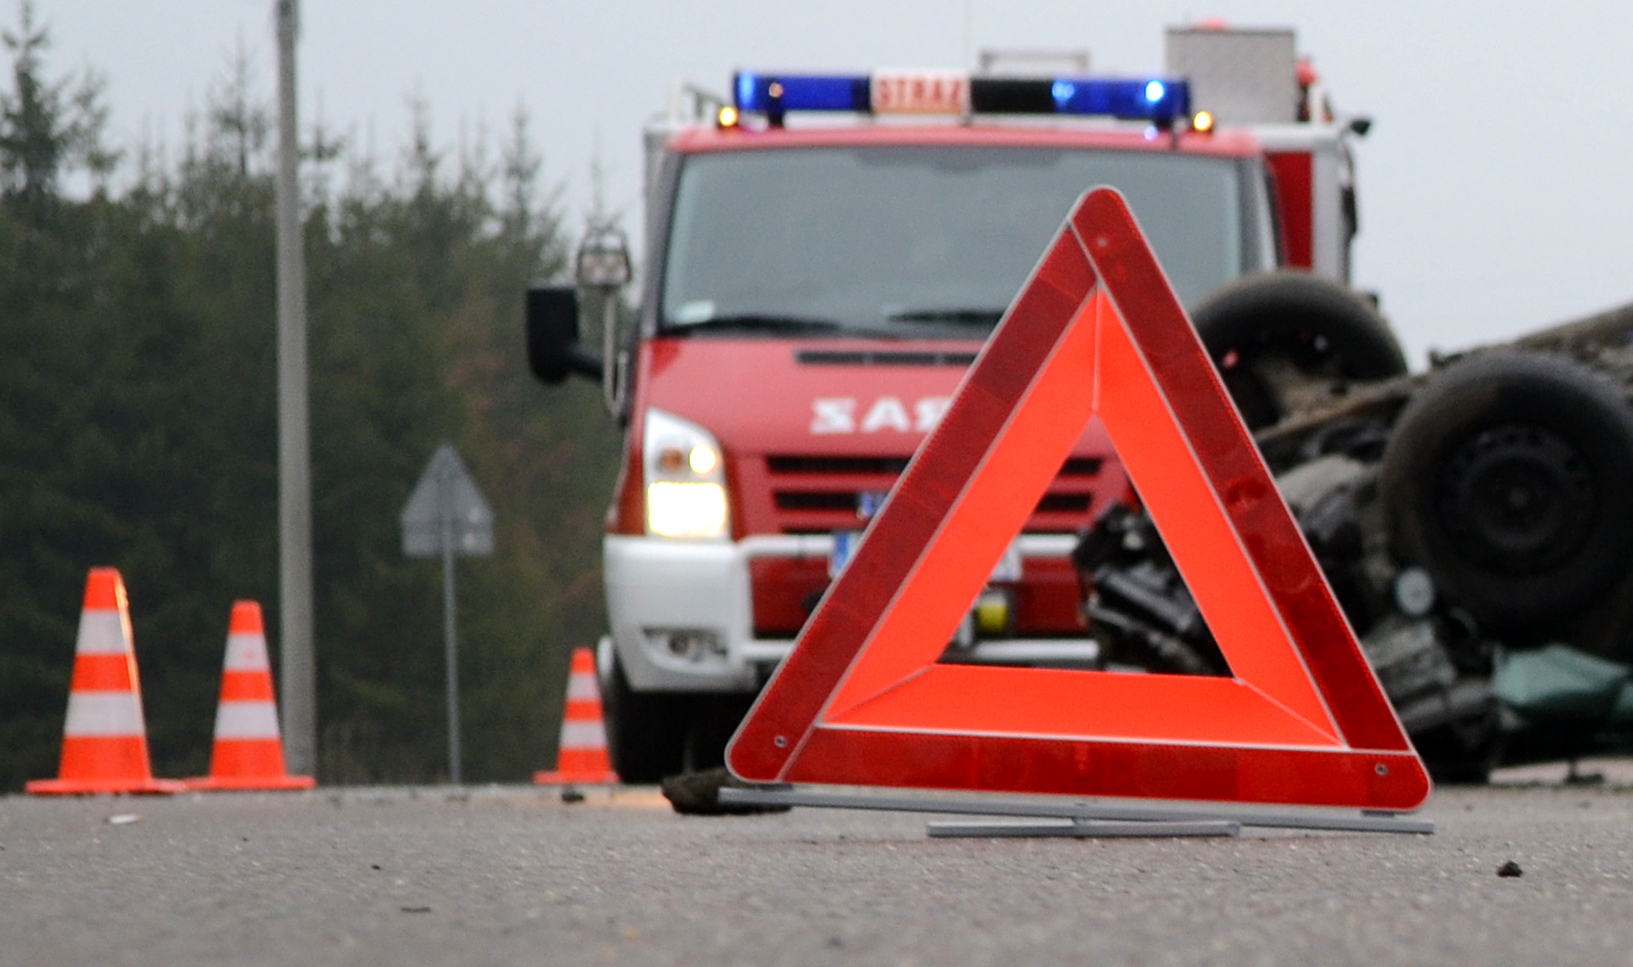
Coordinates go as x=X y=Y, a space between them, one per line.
x=681 y=612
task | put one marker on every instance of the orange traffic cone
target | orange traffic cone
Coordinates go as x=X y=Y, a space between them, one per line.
x=249 y=751
x=104 y=742
x=583 y=753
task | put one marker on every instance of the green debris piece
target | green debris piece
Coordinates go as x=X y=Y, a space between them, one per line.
x=1621 y=714
x=1559 y=682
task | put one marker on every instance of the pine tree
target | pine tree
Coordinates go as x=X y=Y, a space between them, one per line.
x=137 y=428
x=46 y=125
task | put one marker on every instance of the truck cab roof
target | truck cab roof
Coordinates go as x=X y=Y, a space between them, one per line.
x=1017 y=132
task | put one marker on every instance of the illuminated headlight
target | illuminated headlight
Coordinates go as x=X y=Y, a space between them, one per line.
x=685 y=479
x=685 y=509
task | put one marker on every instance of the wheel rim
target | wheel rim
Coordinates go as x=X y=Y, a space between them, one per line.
x=1517 y=499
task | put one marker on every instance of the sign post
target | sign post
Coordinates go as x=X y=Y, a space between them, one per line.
x=447 y=515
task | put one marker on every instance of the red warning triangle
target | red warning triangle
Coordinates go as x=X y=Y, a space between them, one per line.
x=861 y=700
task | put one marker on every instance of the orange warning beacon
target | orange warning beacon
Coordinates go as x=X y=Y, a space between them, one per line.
x=1096 y=332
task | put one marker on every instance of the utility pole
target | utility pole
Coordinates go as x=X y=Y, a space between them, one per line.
x=299 y=711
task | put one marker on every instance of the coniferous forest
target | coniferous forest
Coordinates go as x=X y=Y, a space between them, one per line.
x=138 y=424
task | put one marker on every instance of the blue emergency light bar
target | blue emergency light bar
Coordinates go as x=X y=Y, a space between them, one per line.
x=1156 y=100
x=768 y=94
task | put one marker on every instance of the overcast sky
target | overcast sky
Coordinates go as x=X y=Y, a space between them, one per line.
x=1495 y=192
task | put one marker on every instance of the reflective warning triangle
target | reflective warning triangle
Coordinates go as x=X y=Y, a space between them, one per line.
x=861 y=699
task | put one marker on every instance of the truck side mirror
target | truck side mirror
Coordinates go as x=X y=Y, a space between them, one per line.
x=553 y=351
x=603 y=266
x=603 y=260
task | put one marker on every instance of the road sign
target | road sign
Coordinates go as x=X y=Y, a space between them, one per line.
x=446 y=501
x=862 y=699
x=447 y=515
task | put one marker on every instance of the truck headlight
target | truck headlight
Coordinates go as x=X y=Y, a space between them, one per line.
x=685 y=478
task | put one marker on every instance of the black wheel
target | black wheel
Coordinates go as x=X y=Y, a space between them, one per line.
x=1507 y=478
x=711 y=720
x=1463 y=753
x=1314 y=324
x=646 y=731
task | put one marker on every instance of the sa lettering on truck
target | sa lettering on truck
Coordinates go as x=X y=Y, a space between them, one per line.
x=840 y=415
x=824 y=257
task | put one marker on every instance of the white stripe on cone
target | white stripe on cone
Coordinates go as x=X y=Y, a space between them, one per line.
x=583 y=735
x=101 y=633
x=247 y=653
x=246 y=720
x=103 y=714
x=582 y=686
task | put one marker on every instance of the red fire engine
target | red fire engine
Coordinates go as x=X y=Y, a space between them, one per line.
x=825 y=257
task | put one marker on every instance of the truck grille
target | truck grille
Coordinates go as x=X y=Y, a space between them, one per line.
x=820 y=494
x=836 y=465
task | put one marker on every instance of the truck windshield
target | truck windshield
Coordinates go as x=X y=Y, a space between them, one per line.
x=923 y=241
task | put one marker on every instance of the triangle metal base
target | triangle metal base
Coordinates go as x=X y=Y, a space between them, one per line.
x=1078 y=818
x=1078 y=828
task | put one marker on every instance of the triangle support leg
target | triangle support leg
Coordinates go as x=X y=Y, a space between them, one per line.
x=1086 y=811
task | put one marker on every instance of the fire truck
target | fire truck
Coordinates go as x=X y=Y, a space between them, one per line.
x=825 y=255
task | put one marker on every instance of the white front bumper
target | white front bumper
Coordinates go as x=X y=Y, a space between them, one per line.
x=658 y=589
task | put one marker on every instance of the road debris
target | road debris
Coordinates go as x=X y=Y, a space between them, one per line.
x=698 y=794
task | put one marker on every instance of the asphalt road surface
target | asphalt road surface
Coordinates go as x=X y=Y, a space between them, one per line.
x=518 y=876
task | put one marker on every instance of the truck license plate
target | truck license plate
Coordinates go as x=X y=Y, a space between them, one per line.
x=1007 y=569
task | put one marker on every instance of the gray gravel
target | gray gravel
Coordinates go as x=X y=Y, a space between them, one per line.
x=516 y=875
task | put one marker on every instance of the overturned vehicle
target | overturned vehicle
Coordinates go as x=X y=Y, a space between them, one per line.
x=1475 y=521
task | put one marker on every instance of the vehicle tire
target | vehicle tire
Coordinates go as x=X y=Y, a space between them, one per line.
x=1319 y=325
x=1507 y=478
x=1463 y=753
x=646 y=731
x=712 y=719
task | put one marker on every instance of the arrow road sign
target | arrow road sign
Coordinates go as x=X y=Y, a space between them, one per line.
x=447 y=515
x=447 y=501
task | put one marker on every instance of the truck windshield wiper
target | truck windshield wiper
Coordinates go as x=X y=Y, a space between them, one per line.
x=962 y=316
x=778 y=323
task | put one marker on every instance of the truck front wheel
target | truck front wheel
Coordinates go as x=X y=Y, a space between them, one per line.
x=711 y=720
x=646 y=731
